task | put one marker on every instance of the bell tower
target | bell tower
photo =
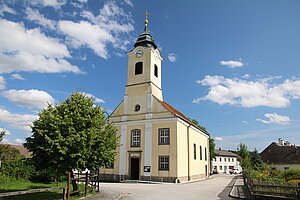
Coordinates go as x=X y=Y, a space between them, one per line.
x=144 y=75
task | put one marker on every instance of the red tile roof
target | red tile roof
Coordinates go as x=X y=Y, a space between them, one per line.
x=178 y=114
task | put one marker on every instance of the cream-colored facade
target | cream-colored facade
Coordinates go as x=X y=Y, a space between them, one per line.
x=157 y=142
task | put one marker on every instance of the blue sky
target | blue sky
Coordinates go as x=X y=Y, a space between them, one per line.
x=233 y=65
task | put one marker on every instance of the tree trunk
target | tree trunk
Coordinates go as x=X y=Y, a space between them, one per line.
x=74 y=184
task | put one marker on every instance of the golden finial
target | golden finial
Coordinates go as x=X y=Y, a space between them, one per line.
x=146 y=15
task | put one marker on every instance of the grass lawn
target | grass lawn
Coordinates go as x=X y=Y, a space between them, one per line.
x=17 y=185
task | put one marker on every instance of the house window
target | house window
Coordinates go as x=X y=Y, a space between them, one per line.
x=220 y=159
x=232 y=159
x=135 y=138
x=155 y=70
x=164 y=136
x=200 y=152
x=138 y=68
x=221 y=168
x=205 y=153
x=224 y=159
x=163 y=163
x=195 y=152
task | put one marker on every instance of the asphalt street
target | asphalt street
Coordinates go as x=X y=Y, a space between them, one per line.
x=217 y=187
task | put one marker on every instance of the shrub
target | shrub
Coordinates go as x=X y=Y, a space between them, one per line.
x=17 y=168
x=291 y=174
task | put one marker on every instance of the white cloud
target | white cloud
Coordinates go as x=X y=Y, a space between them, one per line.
x=109 y=27
x=219 y=138
x=2 y=83
x=21 y=122
x=275 y=118
x=172 y=57
x=51 y=3
x=19 y=141
x=6 y=131
x=129 y=2
x=232 y=63
x=244 y=93
x=17 y=76
x=5 y=8
x=36 y=16
x=96 y=100
x=245 y=122
x=29 y=98
x=30 y=50
x=87 y=34
x=246 y=76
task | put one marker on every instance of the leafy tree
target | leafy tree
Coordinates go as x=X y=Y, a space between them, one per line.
x=2 y=133
x=245 y=155
x=72 y=135
x=255 y=159
x=211 y=140
x=7 y=153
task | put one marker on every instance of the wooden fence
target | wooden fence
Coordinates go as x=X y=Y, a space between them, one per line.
x=270 y=189
x=89 y=179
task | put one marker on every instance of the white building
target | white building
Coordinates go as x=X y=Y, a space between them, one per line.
x=225 y=161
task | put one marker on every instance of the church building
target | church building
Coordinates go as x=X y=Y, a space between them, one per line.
x=157 y=142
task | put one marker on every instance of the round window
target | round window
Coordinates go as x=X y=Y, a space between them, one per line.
x=137 y=107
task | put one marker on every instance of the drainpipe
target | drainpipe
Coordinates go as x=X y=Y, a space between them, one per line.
x=188 y=151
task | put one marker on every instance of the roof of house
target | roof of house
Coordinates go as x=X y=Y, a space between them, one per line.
x=281 y=154
x=179 y=114
x=21 y=148
x=219 y=152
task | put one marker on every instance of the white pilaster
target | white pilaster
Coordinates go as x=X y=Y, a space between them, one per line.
x=148 y=147
x=122 y=164
x=125 y=104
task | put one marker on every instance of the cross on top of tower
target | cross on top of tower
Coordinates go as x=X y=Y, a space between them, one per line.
x=146 y=15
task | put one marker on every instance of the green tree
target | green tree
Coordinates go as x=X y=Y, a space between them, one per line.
x=245 y=155
x=255 y=159
x=8 y=153
x=72 y=135
x=2 y=133
x=211 y=140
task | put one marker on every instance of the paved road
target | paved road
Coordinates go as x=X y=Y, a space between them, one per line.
x=217 y=187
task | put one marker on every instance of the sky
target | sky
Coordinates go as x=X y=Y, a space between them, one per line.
x=232 y=65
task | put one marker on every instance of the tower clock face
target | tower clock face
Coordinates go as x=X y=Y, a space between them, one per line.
x=139 y=53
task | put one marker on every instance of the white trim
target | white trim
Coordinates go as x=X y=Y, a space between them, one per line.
x=125 y=104
x=148 y=147
x=192 y=127
x=164 y=120
x=122 y=159
x=124 y=118
x=149 y=116
x=149 y=102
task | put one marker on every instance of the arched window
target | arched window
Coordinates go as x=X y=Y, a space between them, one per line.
x=138 y=68
x=205 y=153
x=136 y=138
x=156 y=71
x=200 y=152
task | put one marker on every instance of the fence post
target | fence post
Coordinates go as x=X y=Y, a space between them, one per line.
x=64 y=194
x=299 y=190
x=86 y=182
x=69 y=187
x=98 y=180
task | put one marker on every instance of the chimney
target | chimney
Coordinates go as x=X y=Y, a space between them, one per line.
x=280 y=141
x=287 y=143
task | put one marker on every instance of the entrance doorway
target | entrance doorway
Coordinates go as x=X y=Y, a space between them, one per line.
x=135 y=168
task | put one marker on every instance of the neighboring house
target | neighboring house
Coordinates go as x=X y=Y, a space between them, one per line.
x=23 y=151
x=225 y=161
x=281 y=155
x=157 y=142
